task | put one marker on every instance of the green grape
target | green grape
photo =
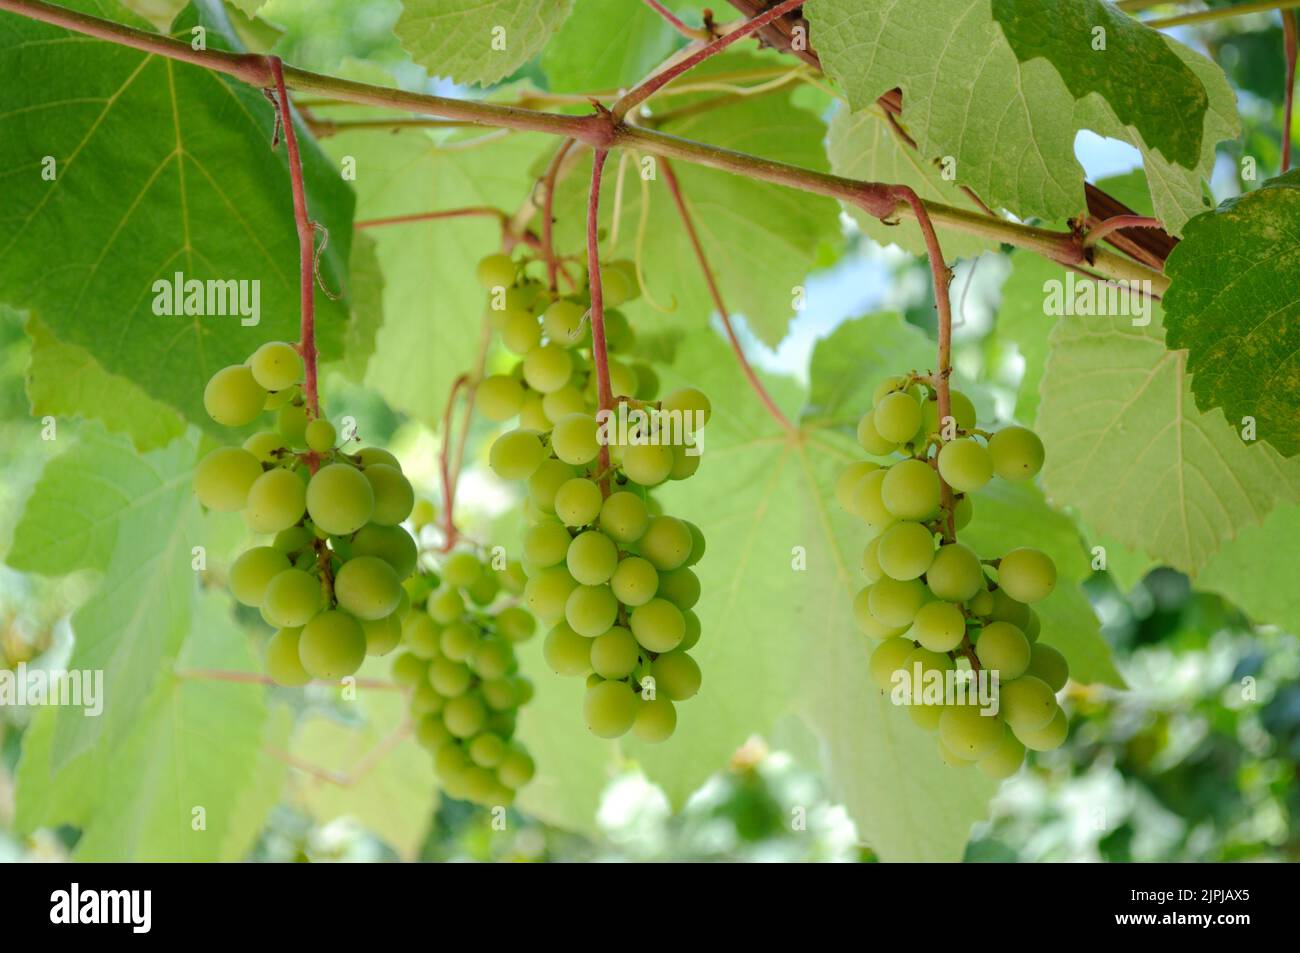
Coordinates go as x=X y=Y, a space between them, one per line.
x=495 y=271
x=340 y=499
x=487 y=750
x=450 y=762
x=499 y=694
x=320 y=435
x=697 y=544
x=567 y=652
x=609 y=709
x=372 y=456
x=871 y=560
x=431 y=733
x=276 y=365
x=1017 y=453
x=677 y=676
x=462 y=570
x=332 y=645
x=513 y=577
x=895 y=602
x=963 y=412
x=1003 y=647
x=619 y=336
x=392 y=544
x=1006 y=609
x=564 y=323
x=622 y=379
x=868 y=504
x=692 y=403
x=410 y=670
x=592 y=558
x=1027 y=575
x=464 y=716
x=965 y=465
x=656 y=720
x=367 y=588
x=939 y=626
x=516 y=455
x=925 y=714
x=635 y=581
x=516 y=768
x=282 y=661
x=868 y=623
x=1027 y=704
x=1052 y=735
x=493 y=658
x=658 y=625
x=846 y=483
x=449 y=678
x=515 y=624
x=648 y=464
x=624 y=517
x=897 y=417
x=520 y=332
x=546 y=543
x=591 y=610
x=253 y=571
x=1048 y=664
x=618 y=281
x=426 y=701
x=458 y=641
x=499 y=397
x=905 y=550
x=394 y=497
x=267 y=445
x=574 y=439
x=968 y=732
x=910 y=490
x=276 y=501
x=547 y=593
x=981 y=603
x=951 y=758
x=291 y=421
x=870 y=439
x=887 y=658
x=223 y=478
x=547 y=367
x=685 y=465
x=560 y=403
x=291 y=598
x=277 y=399
x=667 y=542
x=532 y=415
x=615 y=654
x=445 y=605
x=233 y=397
x=681 y=587
x=578 y=502
x=546 y=482
x=693 y=631
x=955 y=575
x=382 y=635
x=962 y=513
x=1033 y=627
x=894 y=384
x=1005 y=759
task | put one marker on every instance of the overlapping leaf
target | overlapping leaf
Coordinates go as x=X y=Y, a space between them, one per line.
x=477 y=41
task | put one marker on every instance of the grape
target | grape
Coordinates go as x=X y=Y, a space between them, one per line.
x=392 y=544
x=867 y=503
x=567 y=400
x=546 y=543
x=615 y=654
x=547 y=367
x=870 y=439
x=658 y=625
x=267 y=445
x=963 y=412
x=487 y=750
x=420 y=634
x=409 y=670
x=499 y=694
x=578 y=502
x=955 y=575
x=893 y=384
x=1033 y=627
x=868 y=623
x=685 y=465
x=969 y=733
x=965 y=465
x=394 y=497
x=430 y=733
x=372 y=456
x=291 y=421
x=1016 y=452
x=1052 y=735
x=897 y=417
x=592 y=558
x=546 y=481
x=253 y=571
x=910 y=490
x=495 y=271
x=1006 y=609
x=1027 y=575
x=367 y=588
x=233 y=397
x=382 y=635
x=697 y=544
x=282 y=661
x=925 y=715
x=223 y=478
x=622 y=379
x=449 y=678
x=693 y=631
x=676 y=674
x=445 y=605
x=320 y=435
x=462 y=570
x=547 y=593
x=871 y=560
x=624 y=517
x=1049 y=665
x=516 y=769
x=340 y=499
x=516 y=455
x=332 y=645
x=693 y=405
x=564 y=322
x=464 y=716
x=291 y=598
x=905 y=550
x=450 y=762
x=591 y=610
x=275 y=365
x=574 y=439
x=499 y=397
x=635 y=581
x=618 y=281
x=888 y=657
x=667 y=542
x=520 y=332
x=1005 y=759
x=276 y=501
x=951 y=758
x=619 y=335
x=656 y=720
x=981 y=603
x=894 y=602
x=846 y=483
x=609 y=709
x=532 y=415
x=1027 y=703
x=1003 y=647
x=681 y=587
x=939 y=626
x=647 y=464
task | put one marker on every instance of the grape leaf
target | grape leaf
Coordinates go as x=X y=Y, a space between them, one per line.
x=1023 y=319
x=1256 y=571
x=195 y=189
x=477 y=41
x=606 y=44
x=367 y=298
x=1127 y=446
x=884 y=343
x=1233 y=306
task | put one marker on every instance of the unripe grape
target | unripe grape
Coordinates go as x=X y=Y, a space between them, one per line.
x=677 y=676
x=445 y=605
x=431 y=733
x=591 y=610
x=871 y=560
x=894 y=602
x=495 y=271
x=487 y=749
x=889 y=657
x=870 y=439
x=955 y=574
x=516 y=768
x=893 y=384
x=697 y=544
x=547 y=367
x=320 y=435
x=253 y=571
x=615 y=654
x=426 y=701
x=939 y=626
x=965 y=465
x=560 y=403
x=547 y=593
x=382 y=635
x=648 y=464
x=393 y=494
x=925 y=714
x=905 y=550
x=1027 y=704
x=499 y=694
x=685 y=464
x=693 y=631
x=1027 y=575
x=910 y=490
x=592 y=558
x=635 y=581
x=515 y=624
x=968 y=732
x=291 y=421
x=450 y=678
x=464 y=715
x=962 y=513
x=681 y=587
x=282 y=661
x=981 y=603
x=462 y=569
x=233 y=397
x=1048 y=664
x=692 y=403
x=516 y=455
x=450 y=762
x=499 y=397
x=951 y=758
x=609 y=709
x=1006 y=609
x=656 y=720
x=667 y=542
x=276 y=365
x=332 y=645
x=624 y=517
x=578 y=502
x=409 y=670
x=566 y=652
x=963 y=412
x=276 y=501
x=1032 y=627
x=1017 y=453
x=658 y=625
x=223 y=478
x=376 y=456
x=367 y=588
x=1005 y=759
x=564 y=322
x=868 y=504
x=340 y=499
x=532 y=415
x=897 y=417
x=546 y=481
x=392 y=544
x=420 y=634
x=291 y=598
x=574 y=439
x=1003 y=647
x=846 y=483
x=546 y=544
x=868 y=623
x=1050 y=736
x=267 y=445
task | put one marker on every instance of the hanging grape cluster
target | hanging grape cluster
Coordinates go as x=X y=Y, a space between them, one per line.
x=932 y=603
x=607 y=569
x=460 y=667
x=330 y=580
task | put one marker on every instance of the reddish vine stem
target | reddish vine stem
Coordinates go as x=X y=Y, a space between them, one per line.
x=1116 y=222
x=599 y=356
x=548 y=213
x=1289 y=44
x=450 y=467
x=674 y=189
x=449 y=531
x=676 y=22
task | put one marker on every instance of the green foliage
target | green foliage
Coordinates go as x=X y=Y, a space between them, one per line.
x=472 y=41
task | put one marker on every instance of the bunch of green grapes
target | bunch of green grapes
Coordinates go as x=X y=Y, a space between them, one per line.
x=330 y=578
x=932 y=602
x=607 y=569
x=460 y=667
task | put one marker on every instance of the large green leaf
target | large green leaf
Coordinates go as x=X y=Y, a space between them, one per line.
x=1257 y=570
x=1233 y=306
x=477 y=41
x=161 y=168
x=606 y=44
x=848 y=364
